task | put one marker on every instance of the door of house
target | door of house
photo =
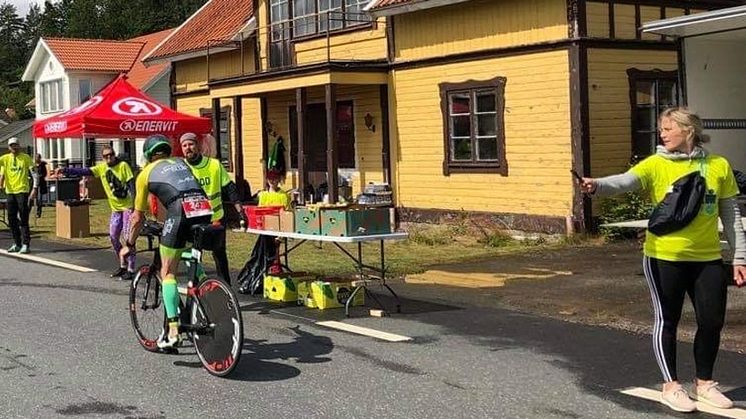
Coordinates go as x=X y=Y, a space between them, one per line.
x=316 y=140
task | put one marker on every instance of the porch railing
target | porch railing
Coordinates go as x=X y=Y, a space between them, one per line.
x=329 y=37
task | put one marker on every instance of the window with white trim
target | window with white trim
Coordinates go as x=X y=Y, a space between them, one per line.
x=51 y=96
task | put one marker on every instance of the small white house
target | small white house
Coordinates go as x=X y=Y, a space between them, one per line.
x=66 y=72
x=711 y=73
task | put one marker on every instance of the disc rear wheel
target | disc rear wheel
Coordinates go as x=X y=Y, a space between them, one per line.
x=219 y=347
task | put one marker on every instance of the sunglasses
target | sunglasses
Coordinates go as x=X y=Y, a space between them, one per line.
x=107 y=155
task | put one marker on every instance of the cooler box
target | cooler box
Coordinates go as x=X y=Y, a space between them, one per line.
x=280 y=288
x=65 y=189
x=355 y=222
x=307 y=221
x=323 y=295
x=255 y=215
x=72 y=219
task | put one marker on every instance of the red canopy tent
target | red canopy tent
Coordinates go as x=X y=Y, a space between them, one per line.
x=120 y=110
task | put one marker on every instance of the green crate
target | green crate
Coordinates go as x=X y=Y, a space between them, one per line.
x=307 y=221
x=358 y=222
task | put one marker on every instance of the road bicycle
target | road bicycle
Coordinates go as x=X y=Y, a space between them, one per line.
x=209 y=312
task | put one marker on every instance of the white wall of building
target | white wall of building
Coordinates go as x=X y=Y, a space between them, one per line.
x=716 y=88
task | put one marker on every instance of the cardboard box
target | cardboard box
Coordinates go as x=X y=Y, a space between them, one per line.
x=287 y=221
x=280 y=288
x=72 y=222
x=272 y=222
x=307 y=221
x=355 y=222
x=324 y=295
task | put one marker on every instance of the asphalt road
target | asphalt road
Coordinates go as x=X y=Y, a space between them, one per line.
x=67 y=350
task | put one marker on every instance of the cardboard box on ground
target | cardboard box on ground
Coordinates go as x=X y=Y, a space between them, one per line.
x=72 y=221
x=312 y=294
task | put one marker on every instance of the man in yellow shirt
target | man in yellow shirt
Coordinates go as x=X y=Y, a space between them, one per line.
x=216 y=183
x=119 y=184
x=16 y=175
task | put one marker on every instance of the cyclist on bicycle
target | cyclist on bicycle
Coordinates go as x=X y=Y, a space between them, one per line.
x=171 y=181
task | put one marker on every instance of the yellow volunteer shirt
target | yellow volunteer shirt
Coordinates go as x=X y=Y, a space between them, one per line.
x=16 y=169
x=274 y=199
x=213 y=177
x=123 y=172
x=700 y=240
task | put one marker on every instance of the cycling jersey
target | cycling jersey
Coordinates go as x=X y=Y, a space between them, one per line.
x=171 y=181
x=16 y=168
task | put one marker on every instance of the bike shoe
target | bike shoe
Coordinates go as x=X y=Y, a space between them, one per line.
x=14 y=249
x=24 y=249
x=169 y=342
x=127 y=276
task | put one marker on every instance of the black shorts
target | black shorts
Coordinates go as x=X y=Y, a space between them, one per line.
x=177 y=229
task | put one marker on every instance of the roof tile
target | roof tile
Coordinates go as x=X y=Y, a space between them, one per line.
x=216 y=20
x=94 y=54
x=140 y=76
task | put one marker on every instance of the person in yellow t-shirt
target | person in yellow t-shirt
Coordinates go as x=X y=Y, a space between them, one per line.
x=274 y=196
x=688 y=260
x=19 y=179
x=119 y=184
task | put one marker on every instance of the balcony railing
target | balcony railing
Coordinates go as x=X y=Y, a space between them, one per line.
x=331 y=37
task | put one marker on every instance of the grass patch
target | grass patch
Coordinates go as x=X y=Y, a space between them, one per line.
x=428 y=245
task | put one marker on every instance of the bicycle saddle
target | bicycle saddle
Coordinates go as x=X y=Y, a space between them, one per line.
x=151 y=228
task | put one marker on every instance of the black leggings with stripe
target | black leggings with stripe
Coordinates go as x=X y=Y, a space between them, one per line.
x=705 y=284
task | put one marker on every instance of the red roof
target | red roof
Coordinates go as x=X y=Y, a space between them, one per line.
x=94 y=54
x=140 y=76
x=216 y=20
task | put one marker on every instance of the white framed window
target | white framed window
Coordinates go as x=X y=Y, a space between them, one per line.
x=51 y=96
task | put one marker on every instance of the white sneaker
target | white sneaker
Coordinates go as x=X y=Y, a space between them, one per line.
x=677 y=399
x=710 y=394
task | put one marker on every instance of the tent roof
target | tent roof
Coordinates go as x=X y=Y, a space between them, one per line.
x=120 y=110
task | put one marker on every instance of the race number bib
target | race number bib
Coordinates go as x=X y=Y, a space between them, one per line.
x=196 y=206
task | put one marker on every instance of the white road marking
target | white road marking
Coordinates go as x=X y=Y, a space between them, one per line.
x=654 y=395
x=48 y=261
x=365 y=331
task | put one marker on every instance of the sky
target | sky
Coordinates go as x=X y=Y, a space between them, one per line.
x=23 y=5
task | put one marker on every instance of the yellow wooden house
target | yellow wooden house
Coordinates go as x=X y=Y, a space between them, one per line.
x=480 y=106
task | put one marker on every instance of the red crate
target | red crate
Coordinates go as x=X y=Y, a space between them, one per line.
x=255 y=215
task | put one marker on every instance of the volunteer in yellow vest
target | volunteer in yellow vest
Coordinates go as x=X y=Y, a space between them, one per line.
x=119 y=184
x=687 y=260
x=18 y=178
x=216 y=183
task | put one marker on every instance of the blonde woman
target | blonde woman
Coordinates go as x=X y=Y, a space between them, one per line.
x=688 y=260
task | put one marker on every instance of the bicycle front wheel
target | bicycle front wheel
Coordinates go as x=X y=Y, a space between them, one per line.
x=147 y=312
x=219 y=348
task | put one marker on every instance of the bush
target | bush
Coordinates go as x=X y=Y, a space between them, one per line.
x=430 y=235
x=630 y=206
x=496 y=239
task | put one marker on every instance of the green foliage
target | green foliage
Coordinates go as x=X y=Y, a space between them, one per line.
x=496 y=239
x=98 y=19
x=431 y=235
x=630 y=206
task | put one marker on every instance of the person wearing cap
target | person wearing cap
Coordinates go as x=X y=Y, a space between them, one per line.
x=119 y=185
x=174 y=185
x=21 y=184
x=216 y=183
